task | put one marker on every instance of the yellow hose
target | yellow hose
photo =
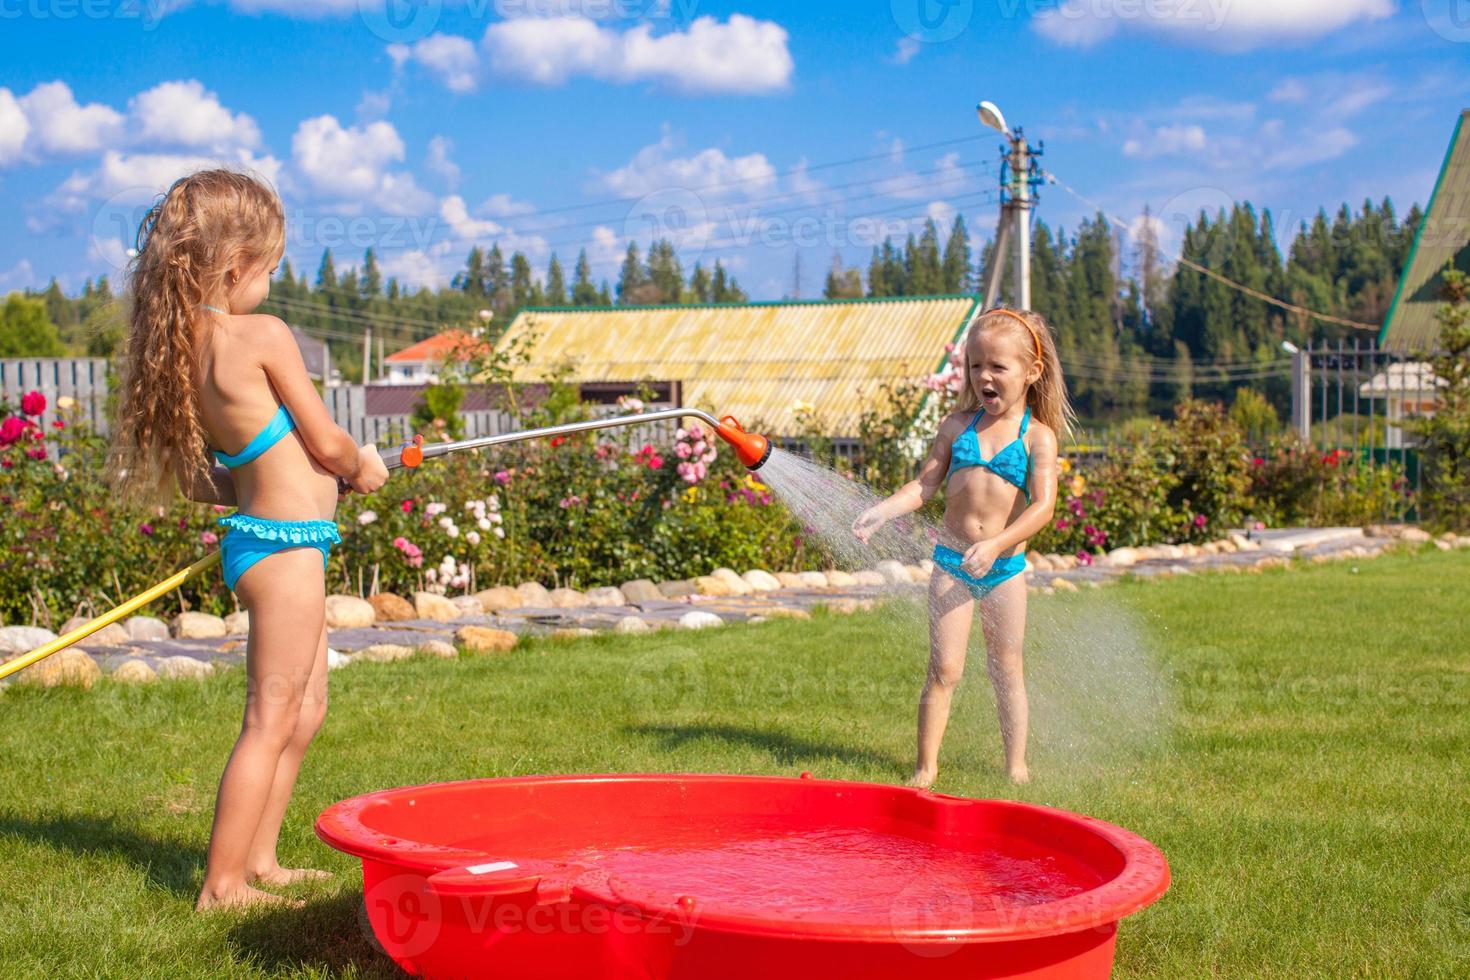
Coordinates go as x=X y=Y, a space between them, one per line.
x=91 y=626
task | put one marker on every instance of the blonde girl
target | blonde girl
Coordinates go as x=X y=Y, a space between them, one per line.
x=997 y=453
x=202 y=369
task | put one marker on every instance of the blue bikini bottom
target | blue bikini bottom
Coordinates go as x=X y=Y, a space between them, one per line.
x=252 y=538
x=1003 y=570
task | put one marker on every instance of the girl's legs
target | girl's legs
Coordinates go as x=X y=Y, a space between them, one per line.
x=1003 y=619
x=261 y=864
x=951 y=609
x=286 y=595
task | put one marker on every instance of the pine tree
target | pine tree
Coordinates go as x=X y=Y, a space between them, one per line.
x=520 y=281
x=842 y=283
x=556 y=284
x=473 y=280
x=877 y=283
x=372 y=278
x=326 y=273
x=664 y=273
x=926 y=271
x=957 y=259
x=700 y=286
x=584 y=293
x=632 y=277
x=719 y=289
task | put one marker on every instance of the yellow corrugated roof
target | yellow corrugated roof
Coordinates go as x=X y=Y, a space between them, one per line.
x=753 y=360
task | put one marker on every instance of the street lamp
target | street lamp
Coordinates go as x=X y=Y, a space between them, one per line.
x=990 y=115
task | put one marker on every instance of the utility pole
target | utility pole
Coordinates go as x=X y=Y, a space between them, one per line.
x=1020 y=173
x=367 y=354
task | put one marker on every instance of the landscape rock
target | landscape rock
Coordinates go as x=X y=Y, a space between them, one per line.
x=791 y=580
x=237 y=623
x=175 y=668
x=1415 y=534
x=336 y=658
x=534 y=594
x=711 y=586
x=785 y=612
x=134 y=671
x=698 y=619
x=1242 y=543
x=145 y=628
x=631 y=624
x=383 y=653
x=110 y=635
x=568 y=599
x=1041 y=563
x=1063 y=584
x=605 y=595
x=70 y=668
x=468 y=605
x=1122 y=557
x=869 y=577
x=838 y=579
x=439 y=648
x=841 y=606
x=427 y=605
x=678 y=588
x=483 y=639
x=893 y=572
x=498 y=598
x=761 y=580
x=572 y=633
x=640 y=590
x=348 y=612
x=918 y=574
x=390 y=608
x=197 y=626
x=736 y=584
x=816 y=580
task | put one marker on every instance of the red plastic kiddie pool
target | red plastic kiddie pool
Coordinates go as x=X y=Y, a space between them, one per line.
x=708 y=877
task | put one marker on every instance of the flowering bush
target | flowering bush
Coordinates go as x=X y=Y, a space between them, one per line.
x=1294 y=483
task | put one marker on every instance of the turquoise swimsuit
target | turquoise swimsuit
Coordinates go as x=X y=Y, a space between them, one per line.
x=1012 y=464
x=252 y=538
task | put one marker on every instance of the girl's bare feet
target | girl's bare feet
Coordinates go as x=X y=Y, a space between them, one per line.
x=239 y=897
x=922 y=778
x=1019 y=774
x=278 y=876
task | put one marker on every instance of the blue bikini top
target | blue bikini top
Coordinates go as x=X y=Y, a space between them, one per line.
x=1011 y=464
x=274 y=431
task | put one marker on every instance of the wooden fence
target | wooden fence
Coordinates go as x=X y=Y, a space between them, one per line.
x=83 y=379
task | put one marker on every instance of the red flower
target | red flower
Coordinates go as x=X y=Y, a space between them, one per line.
x=33 y=403
x=557 y=441
x=1258 y=461
x=11 y=429
x=407 y=506
x=1084 y=558
x=38 y=453
x=58 y=424
x=1200 y=520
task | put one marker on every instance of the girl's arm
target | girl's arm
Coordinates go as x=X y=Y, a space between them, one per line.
x=915 y=493
x=218 y=488
x=331 y=445
x=1043 y=486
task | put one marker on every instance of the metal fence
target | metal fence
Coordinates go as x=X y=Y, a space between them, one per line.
x=83 y=379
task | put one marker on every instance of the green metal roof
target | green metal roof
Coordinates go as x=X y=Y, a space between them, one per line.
x=1442 y=238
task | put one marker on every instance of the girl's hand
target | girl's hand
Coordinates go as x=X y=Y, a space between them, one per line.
x=979 y=557
x=371 y=473
x=867 y=524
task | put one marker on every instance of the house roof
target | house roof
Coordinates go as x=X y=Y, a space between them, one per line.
x=1442 y=238
x=435 y=349
x=752 y=360
x=313 y=353
x=1405 y=377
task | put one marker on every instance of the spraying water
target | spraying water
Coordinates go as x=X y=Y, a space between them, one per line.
x=1098 y=698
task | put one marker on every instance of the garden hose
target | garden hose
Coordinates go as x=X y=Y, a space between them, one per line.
x=753 y=451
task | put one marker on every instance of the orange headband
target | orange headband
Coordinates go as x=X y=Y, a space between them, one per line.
x=1022 y=321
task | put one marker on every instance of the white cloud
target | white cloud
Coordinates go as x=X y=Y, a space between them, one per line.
x=14 y=127
x=504 y=206
x=741 y=55
x=438 y=161
x=453 y=59
x=1166 y=140
x=19 y=276
x=466 y=228
x=133 y=178
x=1288 y=90
x=906 y=50
x=1304 y=148
x=59 y=126
x=945 y=177
x=416 y=267
x=183 y=113
x=1228 y=24
x=350 y=164
x=373 y=105
x=656 y=168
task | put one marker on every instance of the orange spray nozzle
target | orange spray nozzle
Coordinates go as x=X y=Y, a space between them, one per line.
x=413 y=453
x=751 y=449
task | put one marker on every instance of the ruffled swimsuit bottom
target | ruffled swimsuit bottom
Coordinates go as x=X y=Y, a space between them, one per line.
x=252 y=538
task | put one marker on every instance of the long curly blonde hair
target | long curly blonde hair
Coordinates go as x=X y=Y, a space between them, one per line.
x=205 y=225
x=1047 y=398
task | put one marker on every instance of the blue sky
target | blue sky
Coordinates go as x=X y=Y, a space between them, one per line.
x=423 y=127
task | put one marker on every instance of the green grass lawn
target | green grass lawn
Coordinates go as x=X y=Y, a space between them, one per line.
x=1296 y=743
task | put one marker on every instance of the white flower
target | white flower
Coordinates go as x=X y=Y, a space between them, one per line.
x=434 y=509
x=446 y=522
x=484 y=523
x=473 y=537
x=367 y=517
x=431 y=575
x=500 y=532
x=493 y=501
x=497 y=518
x=471 y=504
x=452 y=531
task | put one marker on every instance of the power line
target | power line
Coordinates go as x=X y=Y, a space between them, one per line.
x=1257 y=294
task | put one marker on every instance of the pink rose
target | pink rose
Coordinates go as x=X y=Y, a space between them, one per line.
x=11 y=429
x=208 y=537
x=33 y=403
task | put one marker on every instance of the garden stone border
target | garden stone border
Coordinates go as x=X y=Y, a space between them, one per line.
x=1242 y=551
